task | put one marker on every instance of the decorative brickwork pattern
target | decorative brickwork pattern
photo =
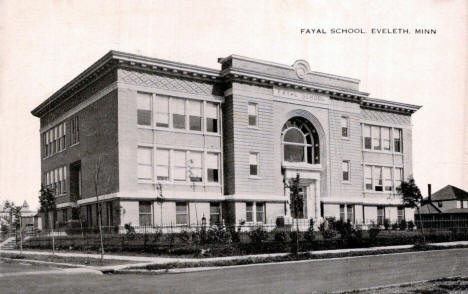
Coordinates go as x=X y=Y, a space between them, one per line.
x=167 y=83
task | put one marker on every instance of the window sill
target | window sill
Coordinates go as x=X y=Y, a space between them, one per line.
x=253 y=127
x=346 y=182
x=206 y=133
x=49 y=156
x=78 y=143
x=182 y=183
x=382 y=151
x=255 y=177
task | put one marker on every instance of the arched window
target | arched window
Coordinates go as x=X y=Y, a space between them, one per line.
x=300 y=141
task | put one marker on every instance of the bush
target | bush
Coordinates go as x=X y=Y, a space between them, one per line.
x=344 y=228
x=326 y=228
x=309 y=235
x=395 y=226
x=280 y=236
x=184 y=236
x=386 y=224
x=258 y=235
x=410 y=225
x=218 y=234
x=373 y=232
x=280 y=221
x=403 y=225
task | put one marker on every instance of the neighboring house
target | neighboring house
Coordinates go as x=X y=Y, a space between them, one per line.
x=176 y=142
x=447 y=200
x=30 y=219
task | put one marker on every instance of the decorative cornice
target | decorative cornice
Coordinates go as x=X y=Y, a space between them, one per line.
x=391 y=106
x=118 y=59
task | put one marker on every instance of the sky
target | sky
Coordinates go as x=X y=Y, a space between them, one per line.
x=45 y=44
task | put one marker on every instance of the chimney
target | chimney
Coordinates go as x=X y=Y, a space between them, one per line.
x=429 y=192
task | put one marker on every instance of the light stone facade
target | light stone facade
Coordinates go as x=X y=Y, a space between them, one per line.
x=180 y=143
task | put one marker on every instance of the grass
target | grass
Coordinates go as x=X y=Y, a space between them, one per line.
x=439 y=286
x=65 y=259
x=289 y=257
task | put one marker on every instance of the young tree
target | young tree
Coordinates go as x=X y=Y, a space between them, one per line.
x=297 y=203
x=98 y=181
x=47 y=204
x=16 y=220
x=411 y=198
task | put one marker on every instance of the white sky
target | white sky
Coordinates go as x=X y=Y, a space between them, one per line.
x=45 y=44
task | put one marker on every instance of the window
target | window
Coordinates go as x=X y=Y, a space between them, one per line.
x=387 y=175
x=211 y=113
x=145 y=166
x=345 y=169
x=89 y=214
x=195 y=166
x=56 y=180
x=253 y=114
x=465 y=204
x=380 y=215
x=378 y=180
x=212 y=166
x=367 y=137
x=215 y=213
x=385 y=139
x=54 y=139
x=179 y=165
x=401 y=214
x=162 y=111
x=300 y=142
x=260 y=212
x=342 y=212
x=253 y=161
x=350 y=213
x=397 y=140
x=162 y=164
x=376 y=137
x=345 y=127
x=398 y=177
x=368 y=177
x=249 y=212
x=144 y=109
x=144 y=208
x=74 y=130
x=64 y=215
x=194 y=112
x=181 y=213
x=178 y=113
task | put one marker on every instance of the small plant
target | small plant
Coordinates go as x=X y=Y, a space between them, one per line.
x=386 y=224
x=280 y=236
x=309 y=234
x=326 y=228
x=410 y=225
x=218 y=234
x=130 y=231
x=395 y=226
x=258 y=235
x=280 y=221
x=184 y=236
x=374 y=231
x=403 y=225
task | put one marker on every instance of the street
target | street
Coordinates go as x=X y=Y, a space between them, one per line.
x=315 y=276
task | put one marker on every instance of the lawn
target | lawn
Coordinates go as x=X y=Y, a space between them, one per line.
x=66 y=259
x=15 y=266
x=440 y=286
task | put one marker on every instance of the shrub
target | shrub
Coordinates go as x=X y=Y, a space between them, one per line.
x=386 y=224
x=344 y=228
x=326 y=228
x=258 y=235
x=403 y=225
x=395 y=226
x=410 y=225
x=184 y=236
x=130 y=231
x=373 y=231
x=218 y=234
x=309 y=235
x=280 y=236
x=280 y=221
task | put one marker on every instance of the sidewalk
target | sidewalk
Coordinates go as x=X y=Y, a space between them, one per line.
x=165 y=260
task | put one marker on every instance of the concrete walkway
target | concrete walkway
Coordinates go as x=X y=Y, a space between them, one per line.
x=165 y=260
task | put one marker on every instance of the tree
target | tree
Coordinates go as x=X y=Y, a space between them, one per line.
x=97 y=182
x=297 y=203
x=15 y=220
x=411 y=198
x=47 y=204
